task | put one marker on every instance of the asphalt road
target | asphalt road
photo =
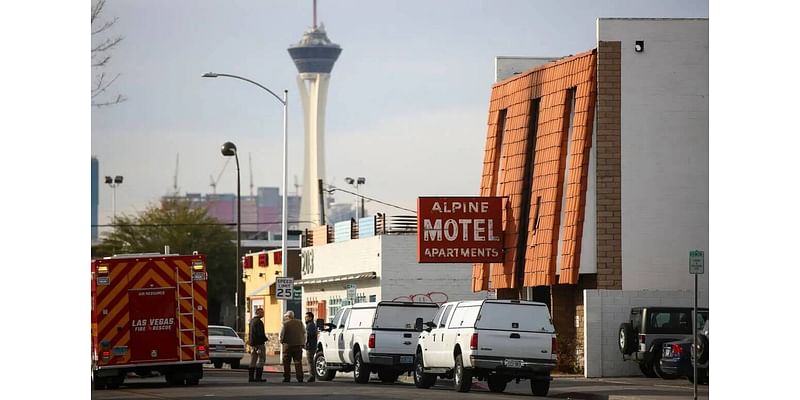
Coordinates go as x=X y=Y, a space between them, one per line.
x=232 y=384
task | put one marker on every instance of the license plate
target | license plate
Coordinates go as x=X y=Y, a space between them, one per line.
x=406 y=359
x=220 y=348
x=514 y=363
x=667 y=352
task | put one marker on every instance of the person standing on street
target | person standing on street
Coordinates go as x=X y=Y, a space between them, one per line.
x=258 y=350
x=311 y=344
x=293 y=337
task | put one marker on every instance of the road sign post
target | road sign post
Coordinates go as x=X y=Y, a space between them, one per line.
x=696 y=267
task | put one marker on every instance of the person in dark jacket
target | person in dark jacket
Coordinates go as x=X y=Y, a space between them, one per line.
x=311 y=344
x=258 y=349
x=293 y=337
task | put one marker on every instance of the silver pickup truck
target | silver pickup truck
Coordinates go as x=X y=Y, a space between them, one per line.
x=493 y=340
x=371 y=338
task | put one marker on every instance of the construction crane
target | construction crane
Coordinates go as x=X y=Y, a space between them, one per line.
x=214 y=181
x=175 y=177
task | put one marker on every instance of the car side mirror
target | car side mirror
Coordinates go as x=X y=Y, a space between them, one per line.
x=418 y=325
x=329 y=327
x=430 y=324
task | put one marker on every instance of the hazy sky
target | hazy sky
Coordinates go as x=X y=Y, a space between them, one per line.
x=408 y=97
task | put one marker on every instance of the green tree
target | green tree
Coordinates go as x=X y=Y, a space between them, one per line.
x=184 y=229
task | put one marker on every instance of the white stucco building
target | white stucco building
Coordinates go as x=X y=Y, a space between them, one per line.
x=377 y=268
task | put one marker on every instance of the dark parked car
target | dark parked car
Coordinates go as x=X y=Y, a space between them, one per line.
x=677 y=356
x=641 y=339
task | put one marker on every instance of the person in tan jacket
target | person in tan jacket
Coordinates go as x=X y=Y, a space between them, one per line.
x=293 y=337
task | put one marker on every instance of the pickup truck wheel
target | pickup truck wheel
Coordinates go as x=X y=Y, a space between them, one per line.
x=360 y=369
x=497 y=383
x=462 y=378
x=421 y=379
x=540 y=388
x=321 y=370
x=217 y=364
x=387 y=376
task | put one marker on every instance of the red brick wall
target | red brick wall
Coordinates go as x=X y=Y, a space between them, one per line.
x=609 y=178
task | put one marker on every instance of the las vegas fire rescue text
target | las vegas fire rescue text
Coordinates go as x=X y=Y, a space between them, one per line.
x=459 y=229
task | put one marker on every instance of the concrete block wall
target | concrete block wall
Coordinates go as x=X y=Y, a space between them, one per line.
x=605 y=310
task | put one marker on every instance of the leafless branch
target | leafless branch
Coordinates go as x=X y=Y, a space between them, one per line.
x=101 y=56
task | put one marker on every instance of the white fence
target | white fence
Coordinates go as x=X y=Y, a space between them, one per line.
x=605 y=310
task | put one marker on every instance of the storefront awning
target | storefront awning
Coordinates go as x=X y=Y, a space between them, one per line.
x=337 y=278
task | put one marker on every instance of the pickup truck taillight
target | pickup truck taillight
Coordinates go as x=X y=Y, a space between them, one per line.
x=553 y=346
x=473 y=341
x=371 y=343
x=677 y=350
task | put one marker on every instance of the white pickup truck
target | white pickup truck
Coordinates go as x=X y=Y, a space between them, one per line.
x=493 y=340
x=371 y=337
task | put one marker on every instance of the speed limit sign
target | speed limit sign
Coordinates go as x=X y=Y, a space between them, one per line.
x=284 y=288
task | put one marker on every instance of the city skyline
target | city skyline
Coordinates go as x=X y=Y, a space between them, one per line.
x=406 y=109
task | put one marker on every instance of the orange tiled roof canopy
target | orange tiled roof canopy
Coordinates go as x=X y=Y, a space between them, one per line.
x=537 y=157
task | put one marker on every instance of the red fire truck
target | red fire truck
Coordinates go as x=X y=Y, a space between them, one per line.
x=149 y=313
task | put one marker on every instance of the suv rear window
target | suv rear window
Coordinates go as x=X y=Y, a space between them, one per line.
x=673 y=321
x=510 y=316
x=400 y=317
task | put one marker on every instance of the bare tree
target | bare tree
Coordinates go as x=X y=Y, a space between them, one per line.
x=102 y=45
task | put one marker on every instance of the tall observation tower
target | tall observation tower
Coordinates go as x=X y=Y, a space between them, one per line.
x=314 y=56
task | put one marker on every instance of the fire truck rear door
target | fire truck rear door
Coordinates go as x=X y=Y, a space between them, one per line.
x=153 y=325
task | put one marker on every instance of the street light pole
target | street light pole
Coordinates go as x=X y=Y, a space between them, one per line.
x=284 y=216
x=229 y=149
x=356 y=183
x=113 y=183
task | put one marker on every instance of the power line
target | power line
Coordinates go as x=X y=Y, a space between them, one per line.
x=334 y=188
x=195 y=224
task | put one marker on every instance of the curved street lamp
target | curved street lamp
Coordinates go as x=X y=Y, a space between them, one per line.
x=284 y=228
x=229 y=149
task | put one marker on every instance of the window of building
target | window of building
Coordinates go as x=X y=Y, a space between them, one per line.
x=566 y=142
x=498 y=150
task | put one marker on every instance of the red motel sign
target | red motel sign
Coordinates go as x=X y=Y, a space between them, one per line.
x=459 y=229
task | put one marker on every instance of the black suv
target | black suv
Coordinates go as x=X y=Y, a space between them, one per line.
x=648 y=328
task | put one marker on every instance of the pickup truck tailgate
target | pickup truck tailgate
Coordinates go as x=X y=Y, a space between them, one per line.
x=514 y=345
x=395 y=342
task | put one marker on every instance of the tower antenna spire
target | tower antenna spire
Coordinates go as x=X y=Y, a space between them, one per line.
x=315 y=14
